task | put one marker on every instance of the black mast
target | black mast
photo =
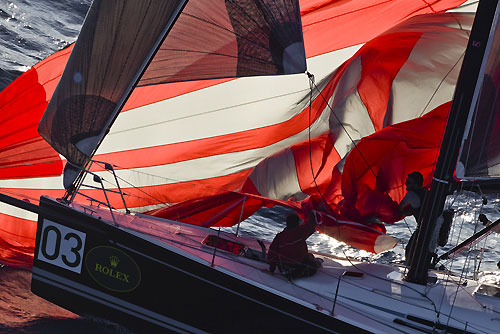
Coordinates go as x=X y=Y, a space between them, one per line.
x=448 y=154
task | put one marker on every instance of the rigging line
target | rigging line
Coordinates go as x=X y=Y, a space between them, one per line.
x=450 y=278
x=457 y=283
x=458 y=287
x=476 y=270
x=311 y=81
x=449 y=272
x=311 y=87
x=161 y=177
x=344 y=129
x=440 y=83
x=461 y=26
x=314 y=179
x=132 y=195
x=133 y=186
x=210 y=111
x=461 y=276
x=407 y=225
x=481 y=304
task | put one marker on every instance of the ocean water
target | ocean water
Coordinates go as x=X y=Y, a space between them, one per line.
x=30 y=30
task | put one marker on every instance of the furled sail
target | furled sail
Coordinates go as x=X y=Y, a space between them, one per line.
x=117 y=49
x=480 y=153
x=149 y=165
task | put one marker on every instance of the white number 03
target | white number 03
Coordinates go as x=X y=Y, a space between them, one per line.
x=61 y=246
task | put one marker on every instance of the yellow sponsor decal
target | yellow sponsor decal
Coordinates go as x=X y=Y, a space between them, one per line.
x=113 y=269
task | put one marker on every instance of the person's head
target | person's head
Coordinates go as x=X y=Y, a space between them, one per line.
x=414 y=181
x=292 y=220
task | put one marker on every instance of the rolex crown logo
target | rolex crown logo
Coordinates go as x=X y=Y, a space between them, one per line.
x=114 y=261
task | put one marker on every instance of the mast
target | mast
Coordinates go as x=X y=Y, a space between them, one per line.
x=468 y=85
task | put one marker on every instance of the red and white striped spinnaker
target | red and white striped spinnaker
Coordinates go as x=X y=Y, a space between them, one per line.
x=180 y=141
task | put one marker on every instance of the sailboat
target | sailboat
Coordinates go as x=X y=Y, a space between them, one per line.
x=168 y=145
x=157 y=271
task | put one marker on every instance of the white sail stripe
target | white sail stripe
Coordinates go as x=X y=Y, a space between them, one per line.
x=195 y=169
x=217 y=110
x=350 y=110
x=284 y=183
x=54 y=182
x=280 y=184
x=420 y=76
x=210 y=121
x=17 y=212
x=209 y=167
x=314 y=64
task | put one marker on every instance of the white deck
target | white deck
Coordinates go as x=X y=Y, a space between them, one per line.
x=371 y=302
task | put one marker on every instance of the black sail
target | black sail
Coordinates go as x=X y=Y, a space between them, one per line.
x=124 y=44
x=111 y=52
x=230 y=38
x=480 y=153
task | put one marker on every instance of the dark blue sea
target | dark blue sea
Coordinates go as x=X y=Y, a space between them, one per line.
x=31 y=30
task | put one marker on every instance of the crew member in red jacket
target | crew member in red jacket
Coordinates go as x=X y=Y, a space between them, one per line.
x=288 y=251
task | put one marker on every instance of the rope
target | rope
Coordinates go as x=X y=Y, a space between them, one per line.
x=312 y=86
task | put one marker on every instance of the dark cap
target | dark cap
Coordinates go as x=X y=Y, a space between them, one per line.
x=417 y=177
x=292 y=220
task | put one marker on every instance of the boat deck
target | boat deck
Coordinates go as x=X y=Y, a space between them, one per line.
x=372 y=296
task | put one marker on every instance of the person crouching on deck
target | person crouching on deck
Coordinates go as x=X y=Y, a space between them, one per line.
x=411 y=205
x=288 y=251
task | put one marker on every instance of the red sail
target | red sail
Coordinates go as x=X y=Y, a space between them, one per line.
x=214 y=143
